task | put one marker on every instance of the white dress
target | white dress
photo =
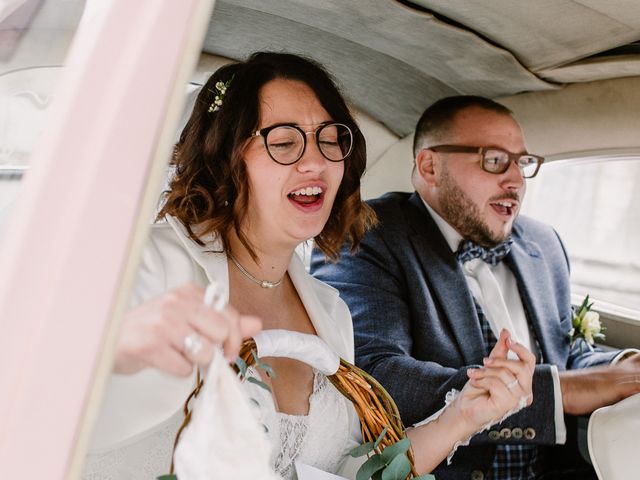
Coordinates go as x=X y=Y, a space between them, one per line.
x=141 y=413
x=322 y=439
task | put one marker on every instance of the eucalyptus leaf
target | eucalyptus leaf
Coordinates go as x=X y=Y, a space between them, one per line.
x=392 y=451
x=256 y=359
x=259 y=383
x=242 y=366
x=167 y=477
x=380 y=437
x=377 y=475
x=371 y=466
x=398 y=469
x=426 y=476
x=361 y=450
x=267 y=369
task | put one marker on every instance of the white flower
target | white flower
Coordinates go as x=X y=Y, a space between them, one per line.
x=590 y=326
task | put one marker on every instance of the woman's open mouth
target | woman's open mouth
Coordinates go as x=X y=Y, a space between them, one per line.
x=307 y=198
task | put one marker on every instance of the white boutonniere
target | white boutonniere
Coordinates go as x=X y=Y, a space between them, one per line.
x=585 y=325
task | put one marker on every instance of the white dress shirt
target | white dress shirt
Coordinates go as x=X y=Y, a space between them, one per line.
x=520 y=327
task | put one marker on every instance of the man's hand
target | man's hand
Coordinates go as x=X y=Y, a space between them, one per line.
x=587 y=389
x=503 y=385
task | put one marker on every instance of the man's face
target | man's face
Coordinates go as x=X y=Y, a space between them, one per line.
x=481 y=206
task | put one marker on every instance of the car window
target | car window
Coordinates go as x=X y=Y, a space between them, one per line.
x=593 y=203
x=35 y=38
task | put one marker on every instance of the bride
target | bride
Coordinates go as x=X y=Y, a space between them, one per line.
x=269 y=158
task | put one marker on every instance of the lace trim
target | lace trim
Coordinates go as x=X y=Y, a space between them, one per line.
x=451 y=396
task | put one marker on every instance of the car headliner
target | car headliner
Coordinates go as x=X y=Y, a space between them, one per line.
x=394 y=58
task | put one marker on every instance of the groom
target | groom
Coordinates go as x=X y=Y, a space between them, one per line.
x=447 y=268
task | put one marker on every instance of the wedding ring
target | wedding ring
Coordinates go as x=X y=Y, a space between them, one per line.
x=512 y=384
x=214 y=297
x=192 y=344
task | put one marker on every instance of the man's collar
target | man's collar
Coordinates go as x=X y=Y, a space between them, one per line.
x=450 y=234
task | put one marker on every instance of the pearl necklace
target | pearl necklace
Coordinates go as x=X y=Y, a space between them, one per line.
x=262 y=283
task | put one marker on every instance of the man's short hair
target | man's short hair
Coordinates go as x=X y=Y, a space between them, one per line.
x=436 y=120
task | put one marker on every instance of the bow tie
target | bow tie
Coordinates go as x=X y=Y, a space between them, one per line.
x=469 y=250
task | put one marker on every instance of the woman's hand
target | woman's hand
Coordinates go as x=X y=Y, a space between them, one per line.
x=501 y=386
x=177 y=330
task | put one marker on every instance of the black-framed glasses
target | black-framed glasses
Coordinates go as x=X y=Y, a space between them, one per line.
x=495 y=160
x=286 y=143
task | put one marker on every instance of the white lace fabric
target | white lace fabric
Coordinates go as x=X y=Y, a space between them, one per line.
x=321 y=439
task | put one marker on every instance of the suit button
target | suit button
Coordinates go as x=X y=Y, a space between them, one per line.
x=494 y=435
x=477 y=475
x=529 y=433
x=516 y=433
x=505 y=433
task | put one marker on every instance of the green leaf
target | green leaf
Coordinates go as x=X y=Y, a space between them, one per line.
x=370 y=467
x=398 y=469
x=377 y=475
x=380 y=437
x=426 y=476
x=267 y=369
x=259 y=383
x=361 y=450
x=392 y=451
x=167 y=477
x=255 y=356
x=242 y=366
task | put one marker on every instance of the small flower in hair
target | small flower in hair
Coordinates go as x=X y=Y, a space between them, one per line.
x=220 y=91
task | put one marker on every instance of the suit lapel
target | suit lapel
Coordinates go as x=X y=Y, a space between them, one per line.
x=208 y=256
x=320 y=301
x=525 y=261
x=444 y=275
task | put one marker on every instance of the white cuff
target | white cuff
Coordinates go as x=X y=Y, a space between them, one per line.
x=558 y=415
x=624 y=353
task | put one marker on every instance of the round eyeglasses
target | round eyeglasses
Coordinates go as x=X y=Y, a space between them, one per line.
x=495 y=160
x=286 y=143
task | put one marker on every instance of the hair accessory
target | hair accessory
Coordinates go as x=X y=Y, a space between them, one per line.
x=262 y=283
x=220 y=91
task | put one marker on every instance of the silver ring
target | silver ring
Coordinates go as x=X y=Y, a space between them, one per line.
x=215 y=297
x=192 y=344
x=512 y=384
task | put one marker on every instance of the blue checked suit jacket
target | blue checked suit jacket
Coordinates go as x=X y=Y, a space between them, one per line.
x=416 y=327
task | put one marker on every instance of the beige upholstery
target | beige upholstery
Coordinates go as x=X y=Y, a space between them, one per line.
x=613 y=440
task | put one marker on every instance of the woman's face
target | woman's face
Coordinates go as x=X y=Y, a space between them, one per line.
x=289 y=203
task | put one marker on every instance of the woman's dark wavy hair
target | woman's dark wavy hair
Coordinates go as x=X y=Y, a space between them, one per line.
x=209 y=188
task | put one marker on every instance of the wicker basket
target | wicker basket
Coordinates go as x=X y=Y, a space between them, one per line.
x=374 y=406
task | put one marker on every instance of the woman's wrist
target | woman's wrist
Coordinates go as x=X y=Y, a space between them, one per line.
x=458 y=421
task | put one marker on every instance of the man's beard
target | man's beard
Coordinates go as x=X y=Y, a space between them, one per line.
x=464 y=215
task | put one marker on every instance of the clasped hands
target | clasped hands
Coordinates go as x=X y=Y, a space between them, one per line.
x=180 y=329
x=499 y=388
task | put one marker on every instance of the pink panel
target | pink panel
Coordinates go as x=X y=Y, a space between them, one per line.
x=63 y=252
